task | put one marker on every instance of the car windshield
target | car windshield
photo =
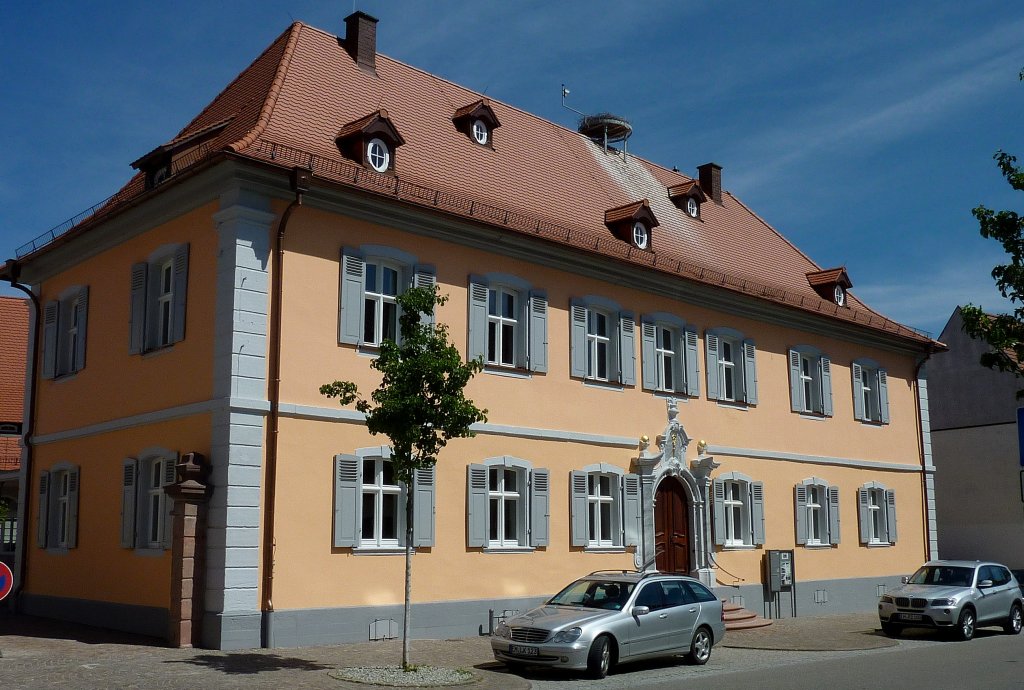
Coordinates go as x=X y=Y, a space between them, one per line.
x=594 y=594
x=943 y=576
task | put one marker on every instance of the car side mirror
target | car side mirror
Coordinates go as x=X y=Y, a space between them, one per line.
x=984 y=584
x=904 y=580
x=641 y=610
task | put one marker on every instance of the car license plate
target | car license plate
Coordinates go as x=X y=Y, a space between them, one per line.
x=522 y=650
x=911 y=616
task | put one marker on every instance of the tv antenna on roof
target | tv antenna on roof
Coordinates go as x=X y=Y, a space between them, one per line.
x=603 y=128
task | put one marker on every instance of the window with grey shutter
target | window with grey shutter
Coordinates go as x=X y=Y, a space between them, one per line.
x=180 y=292
x=718 y=488
x=423 y=506
x=424 y=276
x=757 y=512
x=631 y=509
x=711 y=348
x=796 y=388
x=83 y=315
x=347 y=503
x=833 y=515
x=477 y=341
x=42 y=518
x=578 y=507
x=692 y=362
x=858 y=391
x=350 y=318
x=627 y=349
x=648 y=355
x=540 y=507
x=890 y=516
x=749 y=372
x=883 y=396
x=129 y=489
x=864 y=515
x=51 y=314
x=137 y=316
x=578 y=340
x=826 y=387
x=73 y=480
x=801 y=514
x=476 y=500
x=538 y=336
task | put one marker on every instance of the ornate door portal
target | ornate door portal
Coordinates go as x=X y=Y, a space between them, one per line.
x=672 y=527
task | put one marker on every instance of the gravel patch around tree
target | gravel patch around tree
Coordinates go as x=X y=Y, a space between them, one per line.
x=395 y=677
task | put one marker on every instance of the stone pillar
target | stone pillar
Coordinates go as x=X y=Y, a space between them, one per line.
x=188 y=548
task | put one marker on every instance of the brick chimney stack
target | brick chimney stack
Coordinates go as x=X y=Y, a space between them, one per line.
x=361 y=40
x=709 y=176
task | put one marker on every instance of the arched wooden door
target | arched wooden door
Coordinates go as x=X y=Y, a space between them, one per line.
x=672 y=527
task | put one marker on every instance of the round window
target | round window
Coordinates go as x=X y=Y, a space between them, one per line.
x=641 y=235
x=480 y=132
x=840 y=295
x=378 y=155
x=692 y=209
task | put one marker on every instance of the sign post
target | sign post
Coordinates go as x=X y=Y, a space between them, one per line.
x=6 y=580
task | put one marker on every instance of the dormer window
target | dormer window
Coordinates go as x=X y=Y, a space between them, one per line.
x=162 y=162
x=687 y=196
x=477 y=121
x=370 y=141
x=632 y=223
x=831 y=284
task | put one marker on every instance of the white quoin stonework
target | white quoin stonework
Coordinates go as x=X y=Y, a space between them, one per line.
x=670 y=461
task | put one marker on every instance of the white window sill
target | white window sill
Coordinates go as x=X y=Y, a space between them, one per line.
x=604 y=549
x=680 y=396
x=606 y=385
x=877 y=544
x=739 y=547
x=149 y=552
x=510 y=372
x=733 y=405
x=819 y=546
x=509 y=549
x=813 y=416
x=873 y=423
x=380 y=550
x=157 y=350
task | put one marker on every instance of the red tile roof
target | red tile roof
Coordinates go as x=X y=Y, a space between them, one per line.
x=539 y=179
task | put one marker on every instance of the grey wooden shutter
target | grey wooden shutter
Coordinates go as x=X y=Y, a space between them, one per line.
x=42 y=518
x=718 y=501
x=826 y=386
x=864 y=514
x=477 y=341
x=540 y=507
x=51 y=314
x=73 y=478
x=537 y=354
x=648 y=356
x=631 y=512
x=692 y=360
x=476 y=499
x=424 y=483
x=424 y=277
x=858 y=391
x=627 y=349
x=883 y=396
x=796 y=388
x=351 y=302
x=137 y=315
x=180 y=291
x=749 y=372
x=833 y=515
x=578 y=507
x=578 y=340
x=83 y=315
x=348 y=470
x=800 y=510
x=170 y=472
x=129 y=492
x=890 y=516
x=711 y=348
x=757 y=512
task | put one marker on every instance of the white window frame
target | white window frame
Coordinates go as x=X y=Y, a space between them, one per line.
x=737 y=505
x=597 y=502
x=164 y=303
x=159 y=287
x=378 y=490
x=739 y=368
x=871 y=392
x=499 y=498
x=380 y=299
x=817 y=514
x=727 y=372
x=481 y=132
x=876 y=513
x=62 y=509
x=497 y=323
x=378 y=154
x=737 y=513
x=64 y=333
x=59 y=490
x=587 y=342
x=672 y=354
x=816 y=504
x=488 y=502
x=595 y=339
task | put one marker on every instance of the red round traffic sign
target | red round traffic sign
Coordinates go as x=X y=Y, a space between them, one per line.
x=6 y=580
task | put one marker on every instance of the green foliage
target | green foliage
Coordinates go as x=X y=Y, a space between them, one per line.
x=420 y=404
x=1004 y=332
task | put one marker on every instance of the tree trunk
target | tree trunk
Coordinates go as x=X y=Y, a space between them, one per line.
x=410 y=492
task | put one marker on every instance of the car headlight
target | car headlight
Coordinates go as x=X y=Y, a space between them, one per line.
x=944 y=602
x=886 y=599
x=502 y=630
x=570 y=635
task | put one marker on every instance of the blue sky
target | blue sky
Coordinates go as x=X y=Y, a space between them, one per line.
x=864 y=132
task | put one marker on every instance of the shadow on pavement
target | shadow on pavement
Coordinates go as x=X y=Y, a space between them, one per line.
x=14 y=624
x=249 y=663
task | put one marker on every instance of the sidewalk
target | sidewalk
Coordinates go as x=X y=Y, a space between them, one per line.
x=38 y=653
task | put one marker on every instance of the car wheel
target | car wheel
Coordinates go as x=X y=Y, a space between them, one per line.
x=700 y=647
x=1013 y=623
x=965 y=625
x=891 y=629
x=599 y=660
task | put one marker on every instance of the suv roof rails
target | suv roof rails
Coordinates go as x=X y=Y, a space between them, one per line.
x=641 y=573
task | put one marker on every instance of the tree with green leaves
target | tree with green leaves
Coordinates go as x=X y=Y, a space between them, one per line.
x=1003 y=332
x=419 y=405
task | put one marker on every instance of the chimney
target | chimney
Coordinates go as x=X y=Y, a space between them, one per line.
x=361 y=40
x=709 y=176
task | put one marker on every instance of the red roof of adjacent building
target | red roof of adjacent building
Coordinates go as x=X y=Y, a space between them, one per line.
x=13 y=358
x=538 y=178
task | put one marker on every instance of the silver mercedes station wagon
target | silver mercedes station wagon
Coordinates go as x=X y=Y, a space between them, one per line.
x=609 y=617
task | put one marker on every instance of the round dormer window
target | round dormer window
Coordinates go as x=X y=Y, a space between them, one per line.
x=378 y=155
x=692 y=207
x=839 y=295
x=641 y=235
x=481 y=134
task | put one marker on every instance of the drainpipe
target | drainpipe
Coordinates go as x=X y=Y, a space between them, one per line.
x=21 y=552
x=920 y=436
x=300 y=179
